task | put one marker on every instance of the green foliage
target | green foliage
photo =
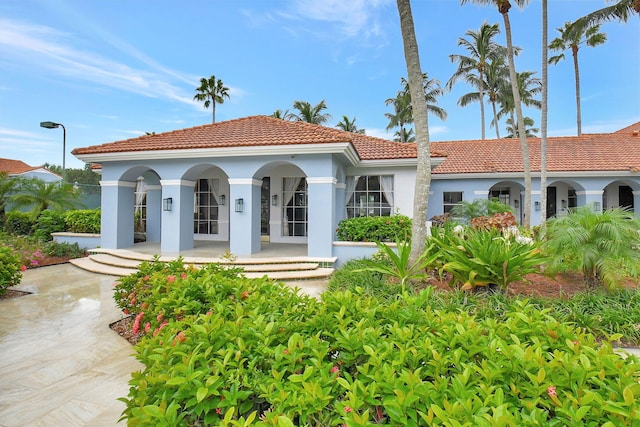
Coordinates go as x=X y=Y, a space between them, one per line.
x=63 y=249
x=251 y=352
x=398 y=264
x=10 y=269
x=482 y=257
x=466 y=211
x=375 y=229
x=83 y=221
x=20 y=223
x=354 y=277
x=38 y=196
x=600 y=245
x=48 y=222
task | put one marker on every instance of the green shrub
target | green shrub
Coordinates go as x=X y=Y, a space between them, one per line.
x=482 y=257
x=83 y=221
x=353 y=276
x=254 y=352
x=375 y=229
x=49 y=222
x=63 y=249
x=466 y=211
x=19 y=223
x=10 y=269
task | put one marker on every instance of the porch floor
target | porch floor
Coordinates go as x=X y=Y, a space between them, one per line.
x=216 y=249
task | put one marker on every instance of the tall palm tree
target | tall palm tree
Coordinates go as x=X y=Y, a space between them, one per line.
x=571 y=37
x=513 y=131
x=310 y=114
x=528 y=87
x=496 y=74
x=621 y=11
x=482 y=50
x=40 y=195
x=349 y=125
x=284 y=115
x=544 y=114
x=404 y=135
x=432 y=90
x=402 y=114
x=416 y=88
x=503 y=7
x=211 y=92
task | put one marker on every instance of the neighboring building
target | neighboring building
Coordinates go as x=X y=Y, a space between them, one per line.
x=258 y=177
x=19 y=168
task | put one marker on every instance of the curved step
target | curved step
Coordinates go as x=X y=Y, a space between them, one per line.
x=88 y=264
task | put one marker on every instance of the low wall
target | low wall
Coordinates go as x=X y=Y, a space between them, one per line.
x=84 y=240
x=345 y=251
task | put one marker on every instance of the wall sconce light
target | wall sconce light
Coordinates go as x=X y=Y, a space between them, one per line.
x=167 y=204
x=516 y=204
x=596 y=206
x=537 y=206
x=223 y=199
x=239 y=205
x=563 y=203
x=274 y=200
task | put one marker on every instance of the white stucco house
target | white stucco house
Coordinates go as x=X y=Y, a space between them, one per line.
x=18 y=168
x=259 y=178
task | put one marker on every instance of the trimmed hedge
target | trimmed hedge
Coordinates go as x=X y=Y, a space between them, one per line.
x=83 y=221
x=375 y=229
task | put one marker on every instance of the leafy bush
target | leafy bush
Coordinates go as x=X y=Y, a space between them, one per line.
x=499 y=221
x=83 y=221
x=600 y=244
x=10 y=269
x=63 y=249
x=49 y=222
x=19 y=223
x=375 y=229
x=28 y=249
x=256 y=353
x=353 y=276
x=487 y=257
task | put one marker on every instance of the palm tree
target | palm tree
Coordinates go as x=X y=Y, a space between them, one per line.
x=528 y=87
x=423 y=173
x=211 y=92
x=310 y=114
x=404 y=135
x=621 y=11
x=513 y=131
x=432 y=91
x=482 y=50
x=402 y=114
x=571 y=37
x=496 y=73
x=284 y=115
x=8 y=186
x=545 y=109
x=503 y=7
x=349 y=125
x=40 y=195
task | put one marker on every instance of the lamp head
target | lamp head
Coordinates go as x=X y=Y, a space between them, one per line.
x=49 y=125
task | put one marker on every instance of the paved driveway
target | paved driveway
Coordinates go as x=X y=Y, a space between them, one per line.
x=60 y=364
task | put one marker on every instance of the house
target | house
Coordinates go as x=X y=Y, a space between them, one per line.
x=15 y=168
x=246 y=180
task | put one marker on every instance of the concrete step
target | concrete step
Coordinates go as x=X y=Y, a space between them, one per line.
x=88 y=264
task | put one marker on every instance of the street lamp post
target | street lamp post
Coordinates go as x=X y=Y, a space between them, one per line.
x=53 y=125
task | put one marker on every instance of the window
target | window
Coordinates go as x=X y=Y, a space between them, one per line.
x=294 y=207
x=140 y=206
x=451 y=199
x=501 y=194
x=372 y=196
x=205 y=215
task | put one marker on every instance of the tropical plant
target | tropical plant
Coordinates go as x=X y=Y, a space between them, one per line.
x=211 y=91
x=545 y=110
x=496 y=73
x=10 y=269
x=487 y=257
x=421 y=121
x=354 y=277
x=398 y=265
x=279 y=114
x=503 y=7
x=529 y=86
x=482 y=51
x=621 y=10
x=8 y=186
x=465 y=211
x=349 y=125
x=432 y=91
x=404 y=135
x=596 y=243
x=571 y=37
x=512 y=130
x=38 y=195
x=310 y=114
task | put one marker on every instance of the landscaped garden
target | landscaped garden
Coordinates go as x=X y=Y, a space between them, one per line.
x=443 y=340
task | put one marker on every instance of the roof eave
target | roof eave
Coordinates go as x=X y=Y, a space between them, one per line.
x=412 y=161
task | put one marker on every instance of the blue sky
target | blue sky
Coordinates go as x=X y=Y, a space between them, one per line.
x=115 y=69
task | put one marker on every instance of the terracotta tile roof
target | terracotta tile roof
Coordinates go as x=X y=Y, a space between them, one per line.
x=616 y=151
x=15 y=167
x=256 y=131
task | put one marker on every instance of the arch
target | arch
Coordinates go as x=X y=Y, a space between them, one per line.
x=509 y=193
x=620 y=193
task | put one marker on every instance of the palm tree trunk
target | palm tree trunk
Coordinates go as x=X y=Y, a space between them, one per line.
x=521 y=126
x=482 y=103
x=574 y=52
x=543 y=119
x=423 y=173
x=495 y=119
x=213 y=104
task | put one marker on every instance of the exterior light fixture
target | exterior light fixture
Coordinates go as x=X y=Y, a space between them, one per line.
x=274 y=200
x=537 y=206
x=54 y=125
x=596 y=206
x=223 y=199
x=167 y=204
x=563 y=203
x=239 y=205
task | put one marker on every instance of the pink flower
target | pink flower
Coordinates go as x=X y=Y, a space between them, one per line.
x=335 y=369
x=286 y=351
x=147 y=326
x=146 y=278
x=23 y=268
x=159 y=317
x=136 y=322
x=551 y=391
x=348 y=409
x=218 y=411
x=183 y=276
x=171 y=279
x=34 y=262
x=244 y=295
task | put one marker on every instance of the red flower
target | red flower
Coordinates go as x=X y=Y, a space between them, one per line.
x=23 y=268
x=136 y=322
x=551 y=391
x=218 y=411
x=335 y=369
x=244 y=295
x=348 y=409
x=147 y=326
x=183 y=276
x=159 y=317
x=286 y=351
